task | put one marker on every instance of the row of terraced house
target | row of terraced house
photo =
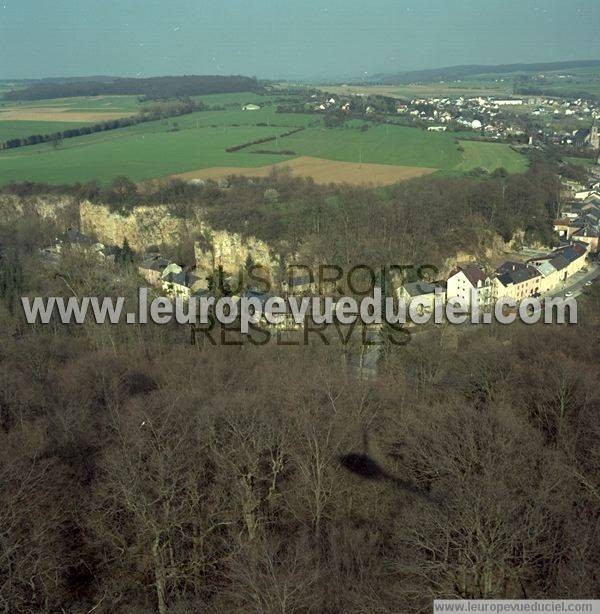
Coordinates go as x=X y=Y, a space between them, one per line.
x=516 y=280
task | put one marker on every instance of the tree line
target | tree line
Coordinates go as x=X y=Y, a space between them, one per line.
x=152 y=87
x=266 y=139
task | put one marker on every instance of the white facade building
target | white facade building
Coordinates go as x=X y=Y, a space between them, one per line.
x=468 y=282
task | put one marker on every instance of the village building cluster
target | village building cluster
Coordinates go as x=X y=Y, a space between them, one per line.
x=578 y=230
x=580 y=216
x=515 y=280
x=536 y=277
x=531 y=119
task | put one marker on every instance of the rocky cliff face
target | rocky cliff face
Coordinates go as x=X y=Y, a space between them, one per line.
x=143 y=227
x=154 y=226
x=149 y=226
x=62 y=209
x=491 y=252
x=231 y=251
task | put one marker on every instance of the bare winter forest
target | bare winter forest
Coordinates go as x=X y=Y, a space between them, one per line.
x=139 y=473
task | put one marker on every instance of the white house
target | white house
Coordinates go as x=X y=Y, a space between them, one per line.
x=468 y=279
x=585 y=194
x=508 y=102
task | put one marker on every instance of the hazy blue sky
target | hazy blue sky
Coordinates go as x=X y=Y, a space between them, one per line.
x=281 y=38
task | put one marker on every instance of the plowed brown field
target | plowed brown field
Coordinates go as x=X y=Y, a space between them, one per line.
x=321 y=171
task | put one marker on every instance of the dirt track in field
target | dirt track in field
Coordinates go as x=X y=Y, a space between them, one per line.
x=321 y=171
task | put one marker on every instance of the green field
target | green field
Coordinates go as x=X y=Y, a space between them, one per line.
x=22 y=119
x=109 y=104
x=379 y=145
x=233 y=114
x=199 y=140
x=570 y=82
x=228 y=117
x=139 y=156
x=468 y=89
x=16 y=128
x=22 y=129
x=479 y=154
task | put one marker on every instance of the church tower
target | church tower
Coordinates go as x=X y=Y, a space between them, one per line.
x=595 y=135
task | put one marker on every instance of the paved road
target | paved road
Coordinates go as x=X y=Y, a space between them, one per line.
x=577 y=282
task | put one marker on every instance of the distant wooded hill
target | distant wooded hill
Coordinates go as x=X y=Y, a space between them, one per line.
x=452 y=73
x=152 y=87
